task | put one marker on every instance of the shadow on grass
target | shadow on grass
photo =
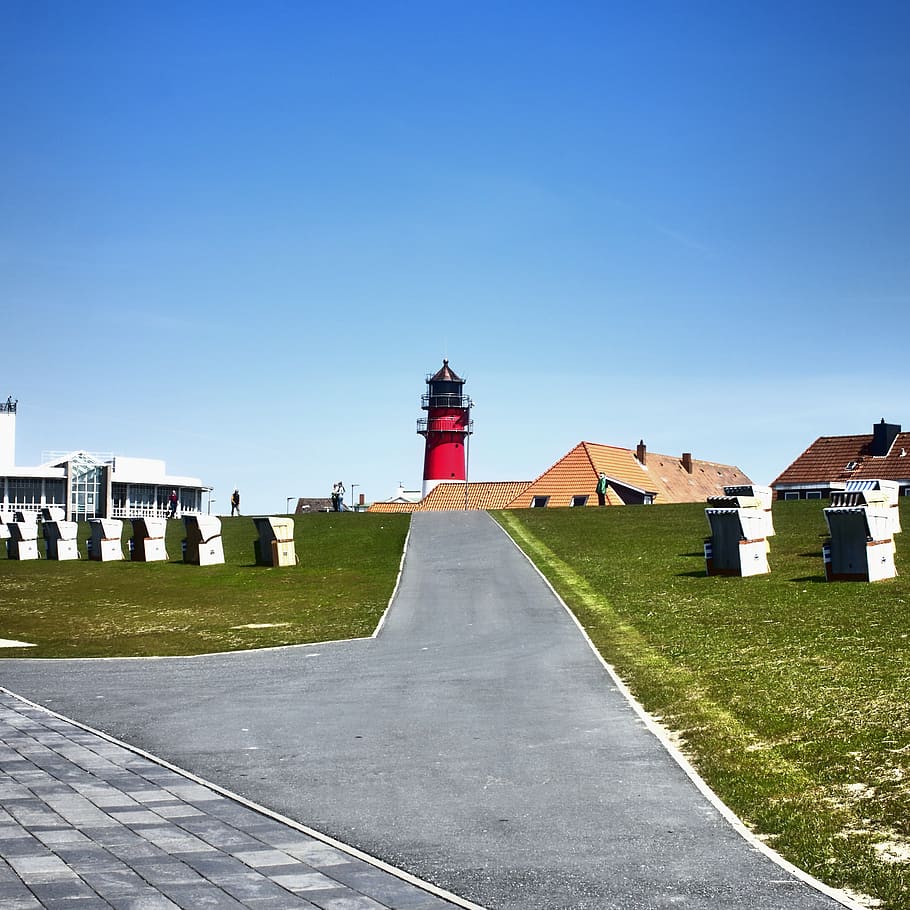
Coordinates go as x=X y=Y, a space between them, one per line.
x=700 y=574
x=813 y=578
x=700 y=554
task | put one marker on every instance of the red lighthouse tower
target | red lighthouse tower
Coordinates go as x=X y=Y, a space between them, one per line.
x=446 y=428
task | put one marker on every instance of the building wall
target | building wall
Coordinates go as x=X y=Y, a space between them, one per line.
x=7 y=436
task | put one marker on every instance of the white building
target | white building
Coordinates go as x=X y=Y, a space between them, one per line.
x=89 y=484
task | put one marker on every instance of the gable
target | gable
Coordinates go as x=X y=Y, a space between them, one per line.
x=663 y=478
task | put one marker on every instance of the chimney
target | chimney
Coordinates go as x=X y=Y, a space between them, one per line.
x=687 y=461
x=883 y=436
x=361 y=499
x=641 y=453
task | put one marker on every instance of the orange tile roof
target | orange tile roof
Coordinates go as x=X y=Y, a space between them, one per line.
x=675 y=484
x=491 y=495
x=394 y=507
x=663 y=476
x=827 y=458
x=575 y=474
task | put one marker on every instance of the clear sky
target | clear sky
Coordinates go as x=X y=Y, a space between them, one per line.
x=238 y=236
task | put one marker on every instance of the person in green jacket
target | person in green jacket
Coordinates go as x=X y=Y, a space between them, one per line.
x=602 y=489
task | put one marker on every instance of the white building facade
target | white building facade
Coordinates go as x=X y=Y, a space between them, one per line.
x=90 y=484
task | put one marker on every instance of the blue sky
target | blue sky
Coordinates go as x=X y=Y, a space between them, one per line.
x=238 y=236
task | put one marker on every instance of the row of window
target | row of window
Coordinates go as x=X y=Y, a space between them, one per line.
x=541 y=502
x=817 y=494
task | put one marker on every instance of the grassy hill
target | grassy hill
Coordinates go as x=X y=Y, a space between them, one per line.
x=348 y=566
x=790 y=695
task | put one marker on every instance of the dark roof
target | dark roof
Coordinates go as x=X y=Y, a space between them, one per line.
x=313 y=504
x=826 y=461
x=445 y=374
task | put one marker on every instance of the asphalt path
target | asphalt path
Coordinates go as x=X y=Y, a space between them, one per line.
x=477 y=742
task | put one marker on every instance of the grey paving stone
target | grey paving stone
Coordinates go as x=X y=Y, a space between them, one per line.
x=39 y=867
x=81 y=903
x=219 y=833
x=314 y=852
x=87 y=824
x=136 y=851
x=22 y=902
x=173 y=839
x=134 y=816
x=72 y=890
x=348 y=902
x=192 y=792
x=250 y=885
x=305 y=882
x=179 y=812
x=112 y=835
x=147 y=900
x=89 y=858
x=171 y=872
x=215 y=865
x=285 y=902
x=199 y=897
x=258 y=859
x=114 y=882
x=10 y=890
x=13 y=831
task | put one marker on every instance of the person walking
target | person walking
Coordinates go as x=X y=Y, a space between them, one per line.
x=172 y=504
x=235 y=502
x=338 y=497
x=602 y=489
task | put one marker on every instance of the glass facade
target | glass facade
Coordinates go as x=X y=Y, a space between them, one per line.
x=87 y=489
x=31 y=494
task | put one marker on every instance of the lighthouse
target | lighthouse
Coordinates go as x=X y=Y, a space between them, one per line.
x=446 y=428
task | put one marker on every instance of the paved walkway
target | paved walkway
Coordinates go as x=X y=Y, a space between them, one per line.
x=477 y=742
x=88 y=824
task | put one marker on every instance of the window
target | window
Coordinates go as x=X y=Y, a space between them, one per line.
x=579 y=501
x=813 y=494
x=791 y=495
x=851 y=466
x=86 y=482
x=539 y=502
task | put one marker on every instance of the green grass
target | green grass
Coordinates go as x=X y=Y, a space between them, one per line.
x=348 y=566
x=789 y=694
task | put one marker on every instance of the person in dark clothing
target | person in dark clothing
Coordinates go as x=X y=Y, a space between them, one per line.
x=235 y=502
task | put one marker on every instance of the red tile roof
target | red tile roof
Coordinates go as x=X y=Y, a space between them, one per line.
x=826 y=461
